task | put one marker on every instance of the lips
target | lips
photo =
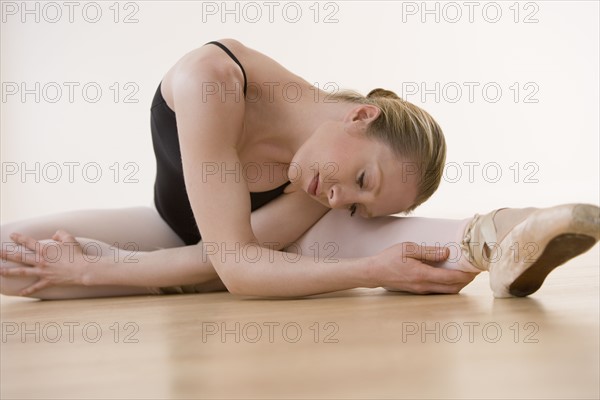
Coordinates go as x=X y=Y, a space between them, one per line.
x=313 y=186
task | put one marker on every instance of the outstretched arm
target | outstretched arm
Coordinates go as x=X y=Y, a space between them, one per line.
x=277 y=223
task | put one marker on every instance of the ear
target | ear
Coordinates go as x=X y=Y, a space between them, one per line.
x=360 y=116
x=365 y=113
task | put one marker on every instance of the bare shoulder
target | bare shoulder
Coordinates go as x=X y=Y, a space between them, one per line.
x=202 y=63
x=209 y=62
x=233 y=44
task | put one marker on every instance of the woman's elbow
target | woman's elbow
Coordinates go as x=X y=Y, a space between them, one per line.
x=233 y=287
x=231 y=280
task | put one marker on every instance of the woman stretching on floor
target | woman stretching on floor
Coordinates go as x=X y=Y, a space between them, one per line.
x=244 y=187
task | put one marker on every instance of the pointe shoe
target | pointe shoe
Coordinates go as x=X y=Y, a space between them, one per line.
x=545 y=239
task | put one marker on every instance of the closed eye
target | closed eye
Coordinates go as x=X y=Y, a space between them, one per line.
x=361 y=182
x=352 y=209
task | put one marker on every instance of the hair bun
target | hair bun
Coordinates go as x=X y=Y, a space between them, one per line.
x=379 y=92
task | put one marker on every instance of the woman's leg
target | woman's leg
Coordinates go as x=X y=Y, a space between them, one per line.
x=337 y=235
x=518 y=246
x=129 y=230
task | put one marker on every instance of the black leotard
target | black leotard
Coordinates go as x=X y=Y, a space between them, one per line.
x=170 y=196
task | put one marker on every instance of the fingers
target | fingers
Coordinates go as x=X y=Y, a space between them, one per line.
x=39 y=285
x=42 y=283
x=445 y=276
x=26 y=251
x=438 y=280
x=10 y=256
x=39 y=249
x=25 y=241
x=427 y=253
x=20 y=271
x=19 y=255
x=63 y=236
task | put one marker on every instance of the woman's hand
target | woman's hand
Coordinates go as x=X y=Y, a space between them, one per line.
x=57 y=262
x=400 y=268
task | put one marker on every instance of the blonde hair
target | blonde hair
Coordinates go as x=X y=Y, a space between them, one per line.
x=411 y=133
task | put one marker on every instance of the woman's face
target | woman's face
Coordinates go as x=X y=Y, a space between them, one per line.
x=341 y=168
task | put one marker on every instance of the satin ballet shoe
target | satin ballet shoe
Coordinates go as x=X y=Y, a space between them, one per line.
x=543 y=240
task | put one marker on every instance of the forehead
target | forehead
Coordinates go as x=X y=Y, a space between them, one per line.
x=398 y=180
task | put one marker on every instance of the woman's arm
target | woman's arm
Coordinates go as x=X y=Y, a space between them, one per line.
x=277 y=224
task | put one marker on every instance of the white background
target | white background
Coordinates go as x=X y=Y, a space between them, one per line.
x=372 y=44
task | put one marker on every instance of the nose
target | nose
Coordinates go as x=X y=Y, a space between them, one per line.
x=339 y=197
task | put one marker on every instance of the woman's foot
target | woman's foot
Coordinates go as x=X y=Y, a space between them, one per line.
x=520 y=247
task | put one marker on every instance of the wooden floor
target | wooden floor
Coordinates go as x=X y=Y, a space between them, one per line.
x=353 y=344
